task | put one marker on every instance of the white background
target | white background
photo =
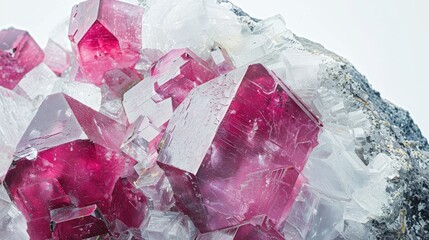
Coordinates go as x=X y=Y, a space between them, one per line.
x=387 y=40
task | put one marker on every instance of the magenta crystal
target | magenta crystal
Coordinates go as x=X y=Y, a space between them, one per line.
x=19 y=53
x=235 y=148
x=179 y=71
x=105 y=34
x=76 y=174
x=129 y=206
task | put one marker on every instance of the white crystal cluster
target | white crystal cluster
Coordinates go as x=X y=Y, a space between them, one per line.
x=339 y=194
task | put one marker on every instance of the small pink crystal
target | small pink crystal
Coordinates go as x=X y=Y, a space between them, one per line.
x=235 y=148
x=19 y=53
x=105 y=34
x=179 y=71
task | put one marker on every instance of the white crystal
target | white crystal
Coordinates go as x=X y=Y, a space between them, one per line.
x=16 y=113
x=169 y=225
x=54 y=124
x=194 y=133
x=165 y=22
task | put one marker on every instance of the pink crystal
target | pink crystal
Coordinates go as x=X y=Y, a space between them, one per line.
x=56 y=58
x=105 y=34
x=79 y=173
x=179 y=72
x=19 y=53
x=77 y=223
x=235 y=148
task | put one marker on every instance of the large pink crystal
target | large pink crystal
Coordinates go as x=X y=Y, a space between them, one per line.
x=105 y=34
x=75 y=175
x=19 y=53
x=235 y=147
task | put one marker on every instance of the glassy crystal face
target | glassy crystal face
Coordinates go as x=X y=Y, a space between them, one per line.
x=105 y=35
x=260 y=228
x=242 y=141
x=19 y=53
x=73 y=186
x=56 y=58
x=178 y=73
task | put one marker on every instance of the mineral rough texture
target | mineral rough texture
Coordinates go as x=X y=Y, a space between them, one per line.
x=189 y=119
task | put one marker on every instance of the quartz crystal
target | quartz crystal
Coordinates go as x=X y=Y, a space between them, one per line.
x=19 y=53
x=191 y=120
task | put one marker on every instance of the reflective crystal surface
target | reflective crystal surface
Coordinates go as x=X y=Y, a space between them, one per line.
x=241 y=144
x=105 y=35
x=19 y=53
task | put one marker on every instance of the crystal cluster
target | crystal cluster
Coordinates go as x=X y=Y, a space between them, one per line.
x=181 y=119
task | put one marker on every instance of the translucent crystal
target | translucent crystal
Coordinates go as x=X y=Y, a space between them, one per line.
x=312 y=216
x=54 y=124
x=168 y=225
x=155 y=185
x=19 y=53
x=16 y=114
x=260 y=228
x=236 y=147
x=99 y=128
x=77 y=223
x=38 y=83
x=13 y=225
x=165 y=22
x=57 y=58
x=105 y=35
x=78 y=173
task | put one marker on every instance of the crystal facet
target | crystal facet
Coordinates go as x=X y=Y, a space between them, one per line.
x=238 y=151
x=105 y=35
x=19 y=53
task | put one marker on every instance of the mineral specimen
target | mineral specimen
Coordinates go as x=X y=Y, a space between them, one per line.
x=188 y=119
